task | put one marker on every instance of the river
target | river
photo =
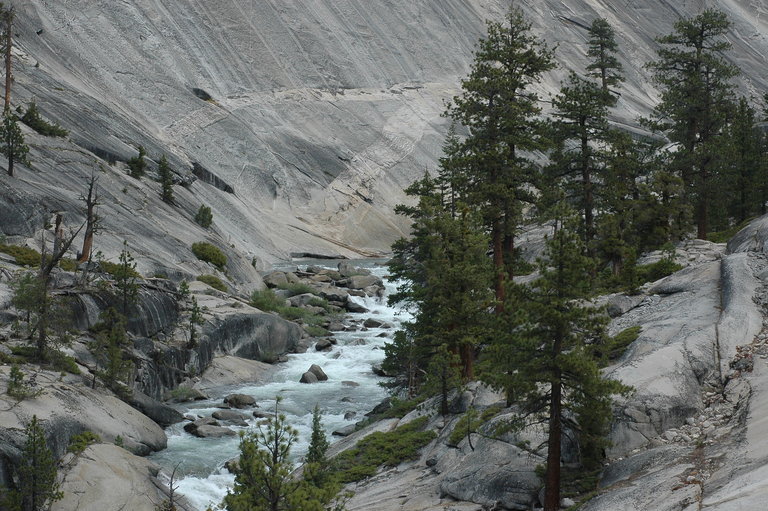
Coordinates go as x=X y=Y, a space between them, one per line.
x=204 y=481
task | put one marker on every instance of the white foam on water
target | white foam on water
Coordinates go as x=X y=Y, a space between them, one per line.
x=205 y=482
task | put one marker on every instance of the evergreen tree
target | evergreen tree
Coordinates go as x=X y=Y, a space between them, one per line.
x=318 y=444
x=263 y=479
x=581 y=132
x=444 y=279
x=605 y=66
x=111 y=348
x=696 y=100
x=554 y=373
x=12 y=144
x=38 y=487
x=195 y=318
x=742 y=173
x=126 y=278
x=136 y=165
x=500 y=111
x=204 y=217
x=166 y=180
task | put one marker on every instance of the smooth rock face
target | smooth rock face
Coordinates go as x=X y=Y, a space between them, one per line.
x=229 y=370
x=97 y=481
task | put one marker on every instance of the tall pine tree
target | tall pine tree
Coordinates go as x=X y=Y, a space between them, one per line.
x=604 y=66
x=696 y=100
x=500 y=111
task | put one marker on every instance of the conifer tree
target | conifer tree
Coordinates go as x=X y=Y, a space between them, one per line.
x=696 y=100
x=581 y=132
x=38 y=487
x=126 y=280
x=744 y=150
x=604 y=66
x=500 y=111
x=445 y=279
x=554 y=371
x=136 y=165
x=12 y=144
x=166 y=180
x=111 y=346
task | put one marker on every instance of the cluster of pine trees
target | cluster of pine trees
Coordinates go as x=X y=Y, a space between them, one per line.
x=607 y=195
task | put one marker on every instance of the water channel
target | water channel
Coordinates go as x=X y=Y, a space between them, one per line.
x=351 y=387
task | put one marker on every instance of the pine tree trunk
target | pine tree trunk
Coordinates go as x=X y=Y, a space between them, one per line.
x=552 y=478
x=498 y=265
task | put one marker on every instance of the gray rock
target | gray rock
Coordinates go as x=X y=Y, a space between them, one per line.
x=229 y=415
x=308 y=377
x=162 y=414
x=334 y=294
x=206 y=431
x=361 y=282
x=301 y=300
x=355 y=307
x=373 y=323
x=275 y=279
x=345 y=431
x=318 y=372
x=240 y=401
x=323 y=345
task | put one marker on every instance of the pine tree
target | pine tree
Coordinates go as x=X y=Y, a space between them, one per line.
x=38 y=487
x=500 y=111
x=166 y=180
x=263 y=479
x=204 y=217
x=195 y=319
x=445 y=278
x=318 y=444
x=111 y=348
x=742 y=172
x=126 y=280
x=605 y=66
x=12 y=144
x=136 y=165
x=696 y=101
x=581 y=132
x=554 y=372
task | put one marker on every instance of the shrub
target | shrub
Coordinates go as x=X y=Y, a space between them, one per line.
x=659 y=269
x=377 y=449
x=267 y=300
x=33 y=119
x=63 y=362
x=210 y=254
x=213 y=281
x=17 y=387
x=621 y=341
x=114 y=269
x=296 y=288
x=204 y=217
x=136 y=165
x=78 y=443
x=470 y=422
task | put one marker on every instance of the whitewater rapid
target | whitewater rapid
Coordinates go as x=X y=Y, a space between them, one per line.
x=204 y=481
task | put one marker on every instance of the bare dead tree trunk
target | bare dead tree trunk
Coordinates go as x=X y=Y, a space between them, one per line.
x=91 y=201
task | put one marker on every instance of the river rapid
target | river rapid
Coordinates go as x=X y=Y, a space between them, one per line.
x=204 y=481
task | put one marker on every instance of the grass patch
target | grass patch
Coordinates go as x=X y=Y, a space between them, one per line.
x=381 y=449
x=621 y=341
x=210 y=254
x=296 y=288
x=267 y=300
x=316 y=331
x=24 y=256
x=213 y=281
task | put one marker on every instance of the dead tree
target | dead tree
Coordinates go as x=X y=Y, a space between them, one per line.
x=91 y=219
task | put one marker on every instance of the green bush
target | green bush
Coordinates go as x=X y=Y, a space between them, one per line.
x=115 y=269
x=78 y=443
x=659 y=269
x=377 y=449
x=210 y=254
x=204 y=217
x=33 y=119
x=62 y=362
x=267 y=300
x=621 y=341
x=136 y=165
x=296 y=288
x=214 y=282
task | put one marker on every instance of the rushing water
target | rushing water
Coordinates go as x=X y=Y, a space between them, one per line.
x=204 y=481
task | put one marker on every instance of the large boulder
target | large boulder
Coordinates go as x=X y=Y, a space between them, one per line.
x=228 y=370
x=108 y=478
x=161 y=413
x=493 y=474
x=240 y=401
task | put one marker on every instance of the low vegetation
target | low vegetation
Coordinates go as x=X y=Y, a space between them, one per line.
x=210 y=254
x=34 y=120
x=213 y=281
x=78 y=443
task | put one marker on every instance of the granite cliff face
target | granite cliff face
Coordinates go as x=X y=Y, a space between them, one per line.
x=302 y=121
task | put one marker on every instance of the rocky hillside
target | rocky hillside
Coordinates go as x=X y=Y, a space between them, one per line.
x=300 y=121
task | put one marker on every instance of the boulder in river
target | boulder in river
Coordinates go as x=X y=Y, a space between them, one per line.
x=240 y=401
x=345 y=431
x=353 y=306
x=372 y=323
x=308 y=377
x=230 y=416
x=323 y=345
